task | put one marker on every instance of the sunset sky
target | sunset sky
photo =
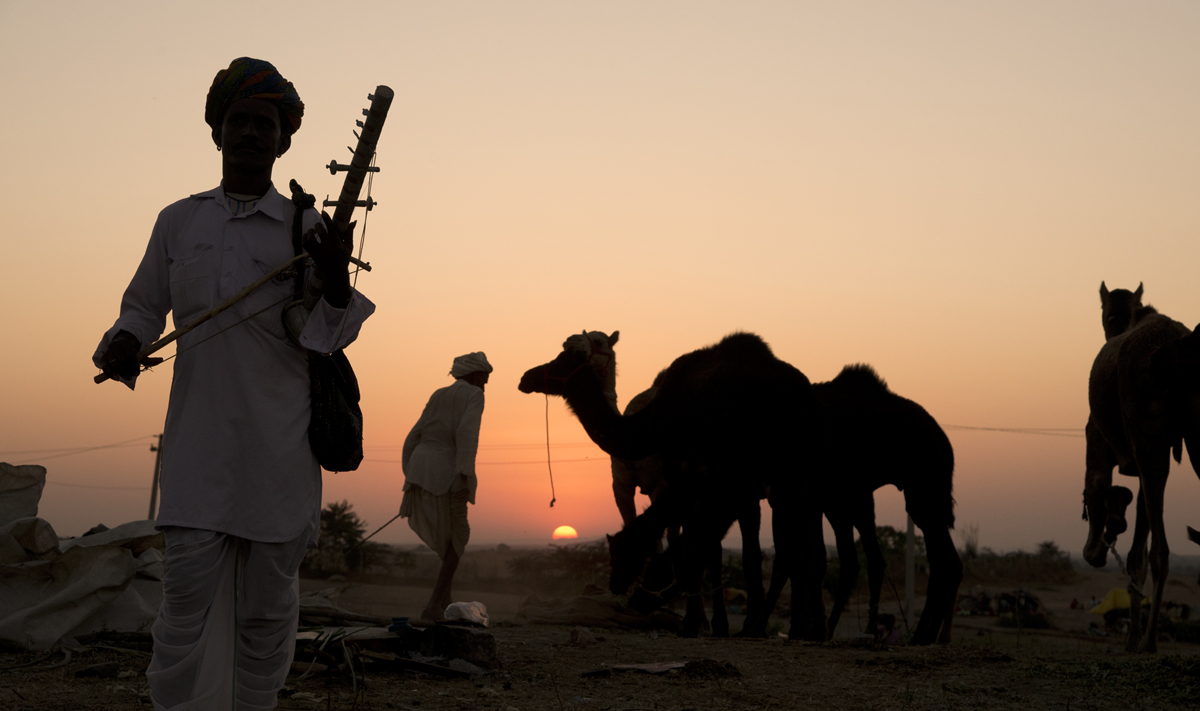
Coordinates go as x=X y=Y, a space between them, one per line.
x=934 y=188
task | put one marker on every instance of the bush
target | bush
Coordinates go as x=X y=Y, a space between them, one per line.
x=340 y=549
x=1047 y=565
x=892 y=544
x=566 y=569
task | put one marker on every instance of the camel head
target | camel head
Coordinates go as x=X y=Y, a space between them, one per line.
x=1104 y=510
x=628 y=554
x=635 y=544
x=1118 y=308
x=592 y=349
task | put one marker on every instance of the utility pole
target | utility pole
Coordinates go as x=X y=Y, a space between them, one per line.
x=910 y=571
x=157 y=472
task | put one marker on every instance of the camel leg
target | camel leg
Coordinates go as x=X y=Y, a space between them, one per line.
x=848 y=567
x=875 y=561
x=803 y=546
x=701 y=539
x=779 y=574
x=749 y=522
x=1135 y=569
x=945 y=575
x=720 y=617
x=1154 y=483
x=689 y=572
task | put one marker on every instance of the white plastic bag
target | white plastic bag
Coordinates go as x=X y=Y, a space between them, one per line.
x=470 y=611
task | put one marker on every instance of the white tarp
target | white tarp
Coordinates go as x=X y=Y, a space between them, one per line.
x=52 y=590
x=41 y=601
x=20 y=491
x=137 y=536
x=27 y=539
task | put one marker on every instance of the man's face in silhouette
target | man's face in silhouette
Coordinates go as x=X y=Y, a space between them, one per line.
x=478 y=378
x=250 y=136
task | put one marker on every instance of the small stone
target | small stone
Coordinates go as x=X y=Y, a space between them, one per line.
x=582 y=635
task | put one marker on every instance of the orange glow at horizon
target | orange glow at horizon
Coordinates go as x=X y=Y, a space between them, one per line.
x=565 y=532
x=936 y=191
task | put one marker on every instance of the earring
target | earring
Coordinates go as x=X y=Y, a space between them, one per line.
x=218 y=148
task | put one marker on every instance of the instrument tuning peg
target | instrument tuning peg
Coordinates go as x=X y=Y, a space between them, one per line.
x=370 y=97
x=366 y=113
x=358 y=123
x=356 y=135
x=350 y=149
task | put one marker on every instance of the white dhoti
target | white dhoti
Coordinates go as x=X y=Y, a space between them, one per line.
x=226 y=633
x=438 y=519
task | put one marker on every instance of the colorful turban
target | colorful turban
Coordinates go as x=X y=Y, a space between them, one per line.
x=248 y=78
x=475 y=362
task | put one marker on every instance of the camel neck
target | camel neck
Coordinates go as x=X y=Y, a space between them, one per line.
x=619 y=436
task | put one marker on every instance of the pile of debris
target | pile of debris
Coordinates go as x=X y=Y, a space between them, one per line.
x=455 y=649
x=52 y=590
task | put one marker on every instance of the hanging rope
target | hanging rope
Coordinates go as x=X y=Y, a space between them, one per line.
x=553 y=498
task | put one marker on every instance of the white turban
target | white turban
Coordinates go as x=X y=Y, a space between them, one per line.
x=470 y=363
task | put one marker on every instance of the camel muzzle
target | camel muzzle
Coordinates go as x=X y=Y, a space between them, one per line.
x=533 y=381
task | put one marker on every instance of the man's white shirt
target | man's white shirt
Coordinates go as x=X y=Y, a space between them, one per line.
x=236 y=457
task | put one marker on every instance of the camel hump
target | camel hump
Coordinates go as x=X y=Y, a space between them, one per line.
x=741 y=344
x=861 y=378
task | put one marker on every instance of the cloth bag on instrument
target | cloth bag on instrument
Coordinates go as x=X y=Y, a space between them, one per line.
x=335 y=431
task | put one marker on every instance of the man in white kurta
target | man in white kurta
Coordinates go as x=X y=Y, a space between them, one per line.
x=439 y=470
x=241 y=488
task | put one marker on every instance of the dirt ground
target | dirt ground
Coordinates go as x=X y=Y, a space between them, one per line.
x=985 y=667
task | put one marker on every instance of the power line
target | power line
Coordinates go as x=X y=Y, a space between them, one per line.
x=539 y=446
x=1045 y=431
x=55 y=453
x=531 y=461
x=95 y=486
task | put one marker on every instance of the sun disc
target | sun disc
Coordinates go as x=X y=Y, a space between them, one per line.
x=565 y=532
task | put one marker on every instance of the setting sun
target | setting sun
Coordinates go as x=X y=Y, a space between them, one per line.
x=565 y=532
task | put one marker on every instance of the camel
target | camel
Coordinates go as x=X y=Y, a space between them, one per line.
x=659 y=583
x=1193 y=534
x=711 y=403
x=1140 y=416
x=874 y=438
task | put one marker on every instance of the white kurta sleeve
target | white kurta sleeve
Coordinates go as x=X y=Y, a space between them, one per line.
x=147 y=299
x=329 y=328
x=466 y=438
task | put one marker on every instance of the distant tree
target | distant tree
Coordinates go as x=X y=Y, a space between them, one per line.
x=1049 y=564
x=339 y=547
x=563 y=568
